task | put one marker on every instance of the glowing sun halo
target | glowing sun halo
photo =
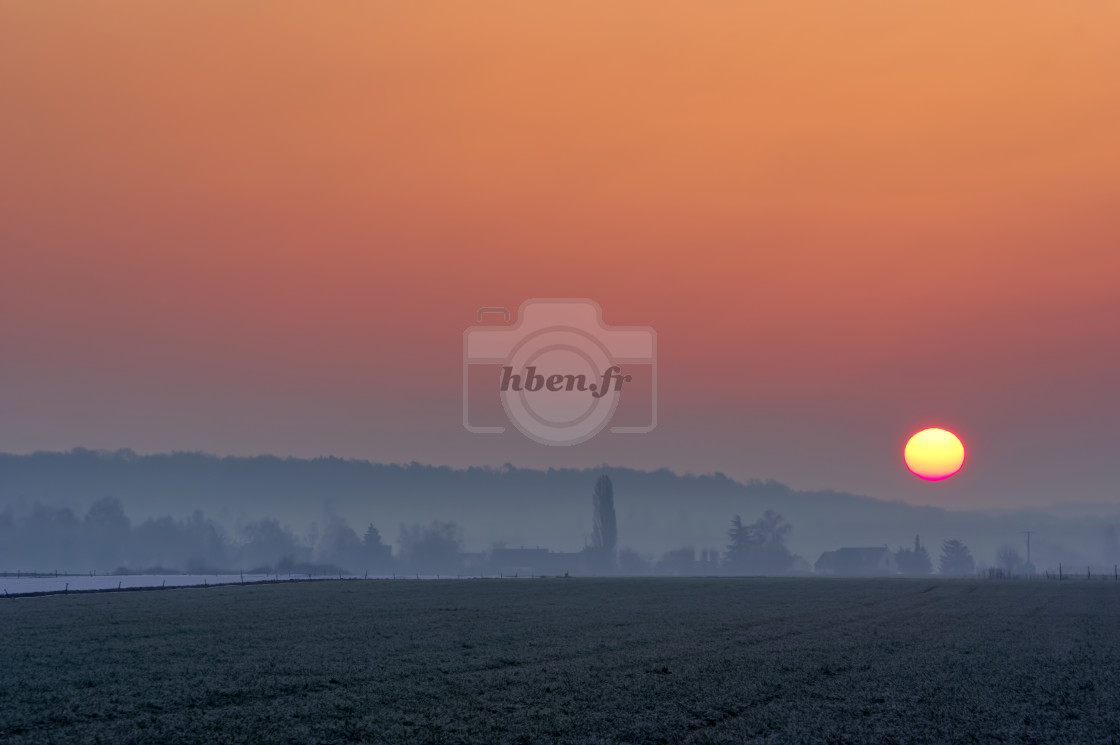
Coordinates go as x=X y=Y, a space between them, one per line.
x=934 y=454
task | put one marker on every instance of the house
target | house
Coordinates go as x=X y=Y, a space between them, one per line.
x=857 y=562
x=800 y=565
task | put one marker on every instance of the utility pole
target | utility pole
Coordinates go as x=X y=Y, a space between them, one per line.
x=1028 y=532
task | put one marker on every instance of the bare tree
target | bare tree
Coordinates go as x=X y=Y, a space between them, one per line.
x=1009 y=559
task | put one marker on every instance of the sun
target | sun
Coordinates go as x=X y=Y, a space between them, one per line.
x=934 y=454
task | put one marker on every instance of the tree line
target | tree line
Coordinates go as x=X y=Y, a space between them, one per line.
x=760 y=548
x=44 y=538
x=755 y=548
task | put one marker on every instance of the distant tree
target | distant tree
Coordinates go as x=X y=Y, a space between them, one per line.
x=265 y=543
x=55 y=536
x=759 y=548
x=604 y=535
x=109 y=531
x=312 y=534
x=209 y=541
x=107 y=513
x=378 y=555
x=433 y=549
x=605 y=531
x=772 y=528
x=1009 y=559
x=195 y=544
x=956 y=559
x=743 y=543
x=339 y=545
x=372 y=537
x=914 y=561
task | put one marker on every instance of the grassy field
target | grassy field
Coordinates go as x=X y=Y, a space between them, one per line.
x=568 y=661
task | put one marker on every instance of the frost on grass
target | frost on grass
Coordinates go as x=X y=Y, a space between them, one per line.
x=567 y=661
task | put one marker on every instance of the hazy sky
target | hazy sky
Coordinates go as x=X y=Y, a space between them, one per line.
x=263 y=227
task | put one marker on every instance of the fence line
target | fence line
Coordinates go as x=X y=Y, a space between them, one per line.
x=1063 y=572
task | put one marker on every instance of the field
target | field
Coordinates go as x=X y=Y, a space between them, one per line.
x=42 y=583
x=568 y=661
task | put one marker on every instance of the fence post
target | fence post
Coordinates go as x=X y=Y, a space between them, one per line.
x=1059 y=570
x=1088 y=573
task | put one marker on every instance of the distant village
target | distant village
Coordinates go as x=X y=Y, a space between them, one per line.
x=842 y=562
x=757 y=548
x=37 y=535
x=105 y=540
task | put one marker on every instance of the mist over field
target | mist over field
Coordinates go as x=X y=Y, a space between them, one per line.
x=250 y=511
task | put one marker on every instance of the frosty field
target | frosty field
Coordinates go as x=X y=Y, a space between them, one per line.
x=567 y=661
x=27 y=584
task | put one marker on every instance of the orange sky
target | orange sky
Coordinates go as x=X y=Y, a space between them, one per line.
x=262 y=227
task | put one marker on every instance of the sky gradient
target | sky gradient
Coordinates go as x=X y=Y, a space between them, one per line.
x=262 y=228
